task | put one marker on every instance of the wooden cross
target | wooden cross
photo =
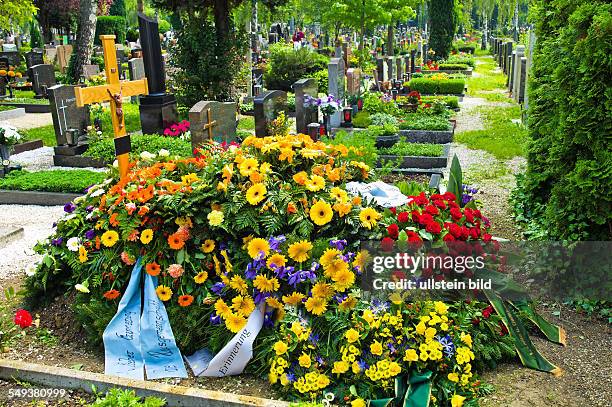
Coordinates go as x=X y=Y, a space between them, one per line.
x=114 y=91
x=210 y=124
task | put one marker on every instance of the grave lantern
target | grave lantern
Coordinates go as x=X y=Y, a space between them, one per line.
x=322 y=129
x=314 y=130
x=347 y=114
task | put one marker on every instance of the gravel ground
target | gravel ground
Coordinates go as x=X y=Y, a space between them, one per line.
x=37 y=224
x=41 y=159
x=32 y=120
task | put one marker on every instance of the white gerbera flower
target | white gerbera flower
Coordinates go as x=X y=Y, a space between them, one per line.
x=164 y=153
x=73 y=244
x=31 y=270
x=81 y=288
x=145 y=155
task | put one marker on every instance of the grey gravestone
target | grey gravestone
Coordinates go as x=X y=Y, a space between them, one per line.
x=520 y=52
x=380 y=69
x=90 y=70
x=65 y=113
x=224 y=116
x=390 y=68
x=34 y=58
x=13 y=57
x=267 y=106
x=136 y=69
x=412 y=61
x=335 y=74
x=510 y=80
x=522 y=80
x=508 y=54
x=121 y=58
x=346 y=54
x=305 y=113
x=43 y=77
x=398 y=68
x=9 y=47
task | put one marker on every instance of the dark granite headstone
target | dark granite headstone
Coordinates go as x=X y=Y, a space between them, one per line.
x=380 y=69
x=34 y=58
x=13 y=57
x=305 y=111
x=158 y=109
x=413 y=61
x=267 y=107
x=65 y=113
x=43 y=77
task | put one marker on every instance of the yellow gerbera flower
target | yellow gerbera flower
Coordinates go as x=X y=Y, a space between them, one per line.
x=189 y=178
x=215 y=218
x=298 y=251
x=238 y=284
x=321 y=213
x=348 y=304
x=146 y=236
x=200 y=277
x=208 y=246
x=164 y=293
x=243 y=305
x=222 y=309
x=322 y=290
x=82 y=254
x=369 y=217
x=247 y=166
x=257 y=245
x=294 y=298
x=315 y=183
x=339 y=194
x=109 y=238
x=280 y=348
x=256 y=193
x=277 y=259
x=235 y=322
x=300 y=178
x=344 y=279
x=265 y=284
x=316 y=305
x=329 y=255
x=286 y=154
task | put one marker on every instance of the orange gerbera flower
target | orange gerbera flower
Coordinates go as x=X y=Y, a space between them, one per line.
x=98 y=242
x=146 y=194
x=113 y=219
x=169 y=166
x=143 y=211
x=185 y=300
x=133 y=195
x=111 y=294
x=291 y=208
x=153 y=269
x=175 y=241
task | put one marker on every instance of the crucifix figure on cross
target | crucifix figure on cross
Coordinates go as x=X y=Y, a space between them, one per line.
x=114 y=91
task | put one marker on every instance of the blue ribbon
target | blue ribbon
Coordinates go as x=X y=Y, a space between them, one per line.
x=133 y=342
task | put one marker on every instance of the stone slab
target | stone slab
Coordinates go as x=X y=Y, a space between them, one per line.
x=8 y=197
x=58 y=377
x=77 y=161
x=27 y=146
x=10 y=234
x=12 y=114
x=427 y=136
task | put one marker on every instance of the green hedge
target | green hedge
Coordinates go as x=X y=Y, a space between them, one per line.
x=106 y=25
x=104 y=149
x=425 y=122
x=52 y=181
x=453 y=67
x=431 y=86
x=566 y=190
x=286 y=66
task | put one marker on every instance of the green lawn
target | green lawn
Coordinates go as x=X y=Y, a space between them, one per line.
x=5 y=108
x=489 y=85
x=501 y=137
x=52 y=181
x=45 y=133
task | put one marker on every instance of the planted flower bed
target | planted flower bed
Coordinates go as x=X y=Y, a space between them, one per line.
x=414 y=155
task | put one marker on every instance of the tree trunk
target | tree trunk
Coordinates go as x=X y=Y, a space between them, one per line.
x=140 y=5
x=85 y=36
x=390 y=40
x=485 y=33
x=222 y=20
x=515 y=21
x=362 y=25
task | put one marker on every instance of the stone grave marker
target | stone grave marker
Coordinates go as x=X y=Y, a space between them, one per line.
x=121 y=59
x=380 y=69
x=67 y=116
x=90 y=70
x=353 y=81
x=510 y=80
x=63 y=57
x=33 y=58
x=305 y=114
x=13 y=57
x=50 y=53
x=390 y=68
x=267 y=106
x=43 y=77
x=257 y=81
x=136 y=69
x=220 y=124
x=516 y=83
x=399 y=72
x=522 y=79
x=9 y=47
x=335 y=74
x=346 y=54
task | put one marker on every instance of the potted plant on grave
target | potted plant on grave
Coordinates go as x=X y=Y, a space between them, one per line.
x=9 y=136
x=328 y=105
x=411 y=102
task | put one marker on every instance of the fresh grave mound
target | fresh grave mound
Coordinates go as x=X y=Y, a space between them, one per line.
x=269 y=225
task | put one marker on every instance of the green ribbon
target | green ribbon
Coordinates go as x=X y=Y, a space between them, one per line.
x=414 y=392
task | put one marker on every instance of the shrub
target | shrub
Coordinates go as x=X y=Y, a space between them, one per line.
x=384 y=130
x=452 y=67
x=375 y=103
x=461 y=59
x=362 y=120
x=104 y=149
x=321 y=78
x=36 y=40
x=164 y=26
x=452 y=102
x=106 y=25
x=434 y=86
x=380 y=119
x=569 y=159
x=403 y=148
x=287 y=65
x=425 y=122
x=132 y=34
x=51 y=181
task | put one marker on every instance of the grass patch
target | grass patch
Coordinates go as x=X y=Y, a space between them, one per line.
x=246 y=123
x=476 y=173
x=5 y=108
x=24 y=94
x=131 y=116
x=488 y=80
x=403 y=148
x=51 y=181
x=494 y=97
x=45 y=133
x=30 y=101
x=501 y=137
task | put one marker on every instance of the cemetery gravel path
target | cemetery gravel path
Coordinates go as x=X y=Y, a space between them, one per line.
x=32 y=120
x=587 y=378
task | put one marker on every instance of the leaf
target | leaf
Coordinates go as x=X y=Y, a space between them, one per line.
x=455 y=179
x=48 y=261
x=180 y=256
x=77 y=366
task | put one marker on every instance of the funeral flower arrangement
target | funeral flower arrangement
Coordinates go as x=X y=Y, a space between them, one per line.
x=9 y=135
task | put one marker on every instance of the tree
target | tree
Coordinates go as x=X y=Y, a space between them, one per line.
x=58 y=14
x=15 y=13
x=36 y=40
x=443 y=24
x=85 y=37
x=400 y=10
x=117 y=8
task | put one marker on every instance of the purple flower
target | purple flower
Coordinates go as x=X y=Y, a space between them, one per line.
x=275 y=242
x=89 y=208
x=362 y=364
x=57 y=242
x=339 y=244
x=260 y=297
x=291 y=377
x=379 y=306
x=268 y=319
x=320 y=360
x=69 y=207
x=313 y=338
x=217 y=288
x=447 y=345
x=90 y=234
x=215 y=319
